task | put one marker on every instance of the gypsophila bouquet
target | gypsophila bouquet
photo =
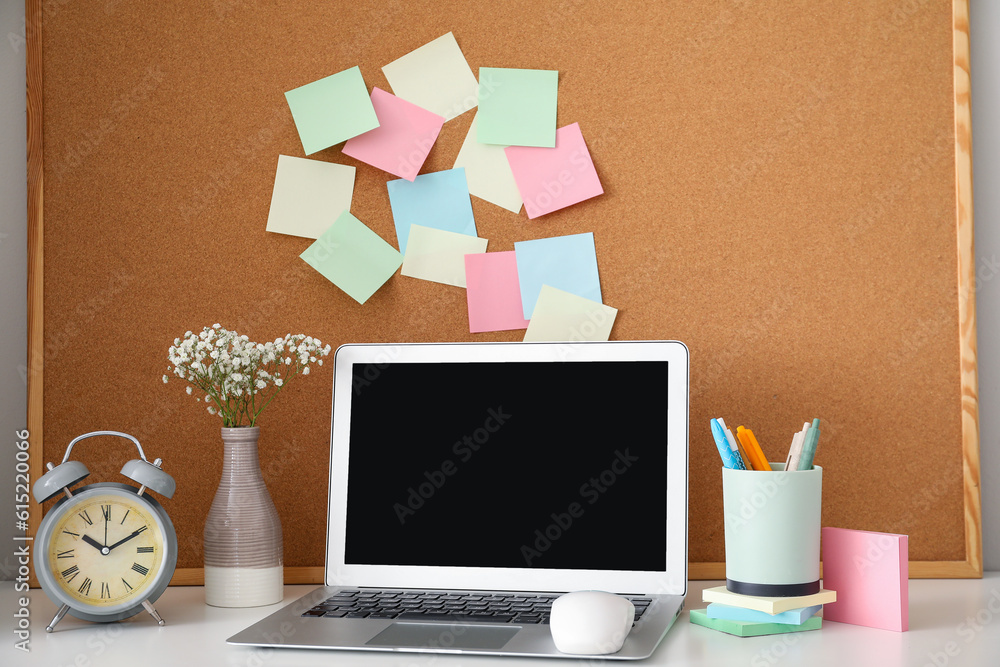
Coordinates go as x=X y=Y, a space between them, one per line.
x=237 y=377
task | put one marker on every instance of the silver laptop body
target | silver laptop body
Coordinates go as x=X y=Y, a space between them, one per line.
x=479 y=471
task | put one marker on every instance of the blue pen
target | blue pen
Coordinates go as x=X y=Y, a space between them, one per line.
x=728 y=459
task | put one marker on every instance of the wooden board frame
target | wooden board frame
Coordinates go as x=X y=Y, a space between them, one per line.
x=972 y=566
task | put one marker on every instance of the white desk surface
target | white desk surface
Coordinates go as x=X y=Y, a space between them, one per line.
x=952 y=622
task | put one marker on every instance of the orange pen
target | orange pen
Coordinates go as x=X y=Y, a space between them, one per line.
x=754 y=452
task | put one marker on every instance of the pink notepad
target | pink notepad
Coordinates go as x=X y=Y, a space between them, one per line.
x=870 y=572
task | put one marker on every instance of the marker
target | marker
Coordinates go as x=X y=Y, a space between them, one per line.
x=729 y=460
x=752 y=448
x=733 y=445
x=809 y=447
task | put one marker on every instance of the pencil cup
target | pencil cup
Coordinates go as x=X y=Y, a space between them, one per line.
x=772 y=530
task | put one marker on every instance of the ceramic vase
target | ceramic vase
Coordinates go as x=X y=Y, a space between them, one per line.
x=243 y=546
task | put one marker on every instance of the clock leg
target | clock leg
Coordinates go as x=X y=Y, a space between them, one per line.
x=58 y=617
x=152 y=612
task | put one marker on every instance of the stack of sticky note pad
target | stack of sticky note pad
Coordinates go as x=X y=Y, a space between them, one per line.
x=753 y=616
x=514 y=154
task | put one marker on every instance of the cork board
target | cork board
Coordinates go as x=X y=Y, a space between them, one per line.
x=787 y=190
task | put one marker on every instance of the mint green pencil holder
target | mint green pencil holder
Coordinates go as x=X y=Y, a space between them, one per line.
x=772 y=530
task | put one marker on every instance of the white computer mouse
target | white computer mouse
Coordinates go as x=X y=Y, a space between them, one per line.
x=591 y=622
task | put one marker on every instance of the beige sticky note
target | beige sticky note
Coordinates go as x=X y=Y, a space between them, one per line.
x=308 y=196
x=438 y=255
x=436 y=77
x=561 y=316
x=488 y=172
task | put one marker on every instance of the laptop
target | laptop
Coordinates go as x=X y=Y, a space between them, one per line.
x=471 y=484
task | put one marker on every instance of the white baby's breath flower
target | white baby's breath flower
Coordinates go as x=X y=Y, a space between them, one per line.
x=231 y=369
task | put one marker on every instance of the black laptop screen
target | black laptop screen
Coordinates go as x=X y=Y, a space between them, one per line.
x=551 y=465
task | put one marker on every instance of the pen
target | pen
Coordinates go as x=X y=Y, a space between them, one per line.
x=795 y=451
x=809 y=447
x=735 y=446
x=752 y=448
x=729 y=459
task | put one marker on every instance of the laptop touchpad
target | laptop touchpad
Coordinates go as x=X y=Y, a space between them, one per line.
x=444 y=636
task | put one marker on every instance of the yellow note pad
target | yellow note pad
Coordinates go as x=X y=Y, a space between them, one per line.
x=768 y=605
x=561 y=316
x=438 y=255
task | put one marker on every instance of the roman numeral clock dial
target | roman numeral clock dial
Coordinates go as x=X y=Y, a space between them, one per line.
x=106 y=551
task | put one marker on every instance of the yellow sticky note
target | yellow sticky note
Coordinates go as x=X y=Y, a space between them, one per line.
x=438 y=255
x=561 y=316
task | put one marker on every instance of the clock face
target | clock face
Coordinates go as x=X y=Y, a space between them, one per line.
x=106 y=549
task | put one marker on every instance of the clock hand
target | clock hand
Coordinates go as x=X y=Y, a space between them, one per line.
x=127 y=538
x=92 y=542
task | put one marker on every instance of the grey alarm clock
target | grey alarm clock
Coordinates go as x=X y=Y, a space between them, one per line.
x=107 y=550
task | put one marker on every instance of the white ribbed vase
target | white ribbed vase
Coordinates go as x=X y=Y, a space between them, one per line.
x=243 y=548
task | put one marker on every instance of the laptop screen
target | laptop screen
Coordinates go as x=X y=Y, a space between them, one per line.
x=514 y=464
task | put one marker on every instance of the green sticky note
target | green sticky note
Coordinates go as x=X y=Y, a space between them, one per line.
x=517 y=107
x=332 y=110
x=353 y=257
x=751 y=629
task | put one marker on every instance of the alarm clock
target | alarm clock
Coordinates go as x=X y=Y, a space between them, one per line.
x=105 y=551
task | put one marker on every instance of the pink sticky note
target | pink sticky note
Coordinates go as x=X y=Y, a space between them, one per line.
x=493 y=292
x=403 y=139
x=870 y=572
x=553 y=178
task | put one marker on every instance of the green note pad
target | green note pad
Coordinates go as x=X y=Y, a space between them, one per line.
x=353 y=257
x=332 y=110
x=517 y=107
x=751 y=629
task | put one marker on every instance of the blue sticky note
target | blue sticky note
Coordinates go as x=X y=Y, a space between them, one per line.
x=439 y=200
x=792 y=616
x=568 y=263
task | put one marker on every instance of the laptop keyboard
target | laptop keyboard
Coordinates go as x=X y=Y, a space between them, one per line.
x=409 y=605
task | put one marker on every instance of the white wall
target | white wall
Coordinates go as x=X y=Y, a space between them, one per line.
x=985 y=26
x=13 y=264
